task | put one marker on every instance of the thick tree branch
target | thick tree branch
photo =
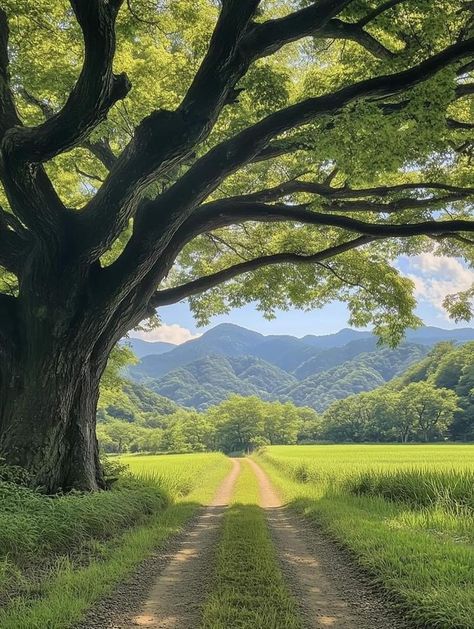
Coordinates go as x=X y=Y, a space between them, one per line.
x=222 y=66
x=172 y=295
x=266 y=38
x=158 y=220
x=346 y=192
x=228 y=212
x=464 y=89
x=165 y=138
x=99 y=148
x=337 y=29
x=394 y=206
x=96 y=90
x=459 y=124
x=102 y=150
x=209 y=171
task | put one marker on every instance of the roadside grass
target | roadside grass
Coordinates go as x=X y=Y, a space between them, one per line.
x=408 y=523
x=53 y=584
x=249 y=589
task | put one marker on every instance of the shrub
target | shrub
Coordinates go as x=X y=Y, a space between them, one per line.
x=14 y=474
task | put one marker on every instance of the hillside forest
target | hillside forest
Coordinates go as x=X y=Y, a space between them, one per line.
x=414 y=393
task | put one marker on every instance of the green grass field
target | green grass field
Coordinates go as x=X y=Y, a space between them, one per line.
x=60 y=555
x=405 y=512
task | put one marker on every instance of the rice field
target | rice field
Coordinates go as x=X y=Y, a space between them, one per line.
x=337 y=461
x=178 y=474
x=404 y=512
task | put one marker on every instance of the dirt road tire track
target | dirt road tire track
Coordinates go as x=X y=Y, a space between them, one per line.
x=169 y=588
x=327 y=587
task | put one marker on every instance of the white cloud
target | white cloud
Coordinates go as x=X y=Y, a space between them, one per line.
x=437 y=276
x=173 y=333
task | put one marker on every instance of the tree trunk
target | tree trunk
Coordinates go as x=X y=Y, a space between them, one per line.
x=47 y=423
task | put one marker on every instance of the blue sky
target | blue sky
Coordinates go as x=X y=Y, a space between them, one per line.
x=434 y=278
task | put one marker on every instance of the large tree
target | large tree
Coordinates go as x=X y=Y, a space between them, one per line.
x=282 y=151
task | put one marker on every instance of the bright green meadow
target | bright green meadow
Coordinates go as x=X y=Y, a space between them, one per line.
x=60 y=555
x=405 y=513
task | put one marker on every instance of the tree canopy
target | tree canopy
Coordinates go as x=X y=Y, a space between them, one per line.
x=156 y=152
x=251 y=134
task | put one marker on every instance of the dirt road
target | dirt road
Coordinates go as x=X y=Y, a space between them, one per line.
x=169 y=588
x=324 y=583
x=167 y=591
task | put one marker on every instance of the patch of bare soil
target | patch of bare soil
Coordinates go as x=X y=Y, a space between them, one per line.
x=327 y=586
x=169 y=588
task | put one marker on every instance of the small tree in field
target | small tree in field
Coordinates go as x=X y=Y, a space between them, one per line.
x=282 y=152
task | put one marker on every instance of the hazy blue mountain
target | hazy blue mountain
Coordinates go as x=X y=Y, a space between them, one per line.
x=286 y=352
x=339 y=339
x=145 y=348
x=323 y=360
x=225 y=339
x=302 y=357
x=427 y=335
x=430 y=335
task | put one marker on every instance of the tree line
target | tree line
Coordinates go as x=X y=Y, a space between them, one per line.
x=239 y=424
x=433 y=400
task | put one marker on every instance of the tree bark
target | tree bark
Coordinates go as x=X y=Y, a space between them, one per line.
x=49 y=386
x=47 y=426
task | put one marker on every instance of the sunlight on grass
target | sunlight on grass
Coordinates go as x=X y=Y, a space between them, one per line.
x=405 y=512
x=83 y=569
x=249 y=589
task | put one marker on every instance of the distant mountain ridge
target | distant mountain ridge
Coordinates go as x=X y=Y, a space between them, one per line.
x=144 y=348
x=287 y=352
x=313 y=370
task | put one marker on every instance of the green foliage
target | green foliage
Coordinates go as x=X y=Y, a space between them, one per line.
x=34 y=526
x=431 y=400
x=236 y=424
x=369 y=146
x=363 y=373
x=14 y=474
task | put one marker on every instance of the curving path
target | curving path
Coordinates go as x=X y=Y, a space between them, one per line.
x=179 y=578
x=329 y=592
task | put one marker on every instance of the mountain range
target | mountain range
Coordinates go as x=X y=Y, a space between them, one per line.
x=310 y=371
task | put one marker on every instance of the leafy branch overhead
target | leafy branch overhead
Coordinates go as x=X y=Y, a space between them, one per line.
x=163 y=152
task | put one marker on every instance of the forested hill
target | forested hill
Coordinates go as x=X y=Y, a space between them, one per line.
x=312 y=371
x=432 y=400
